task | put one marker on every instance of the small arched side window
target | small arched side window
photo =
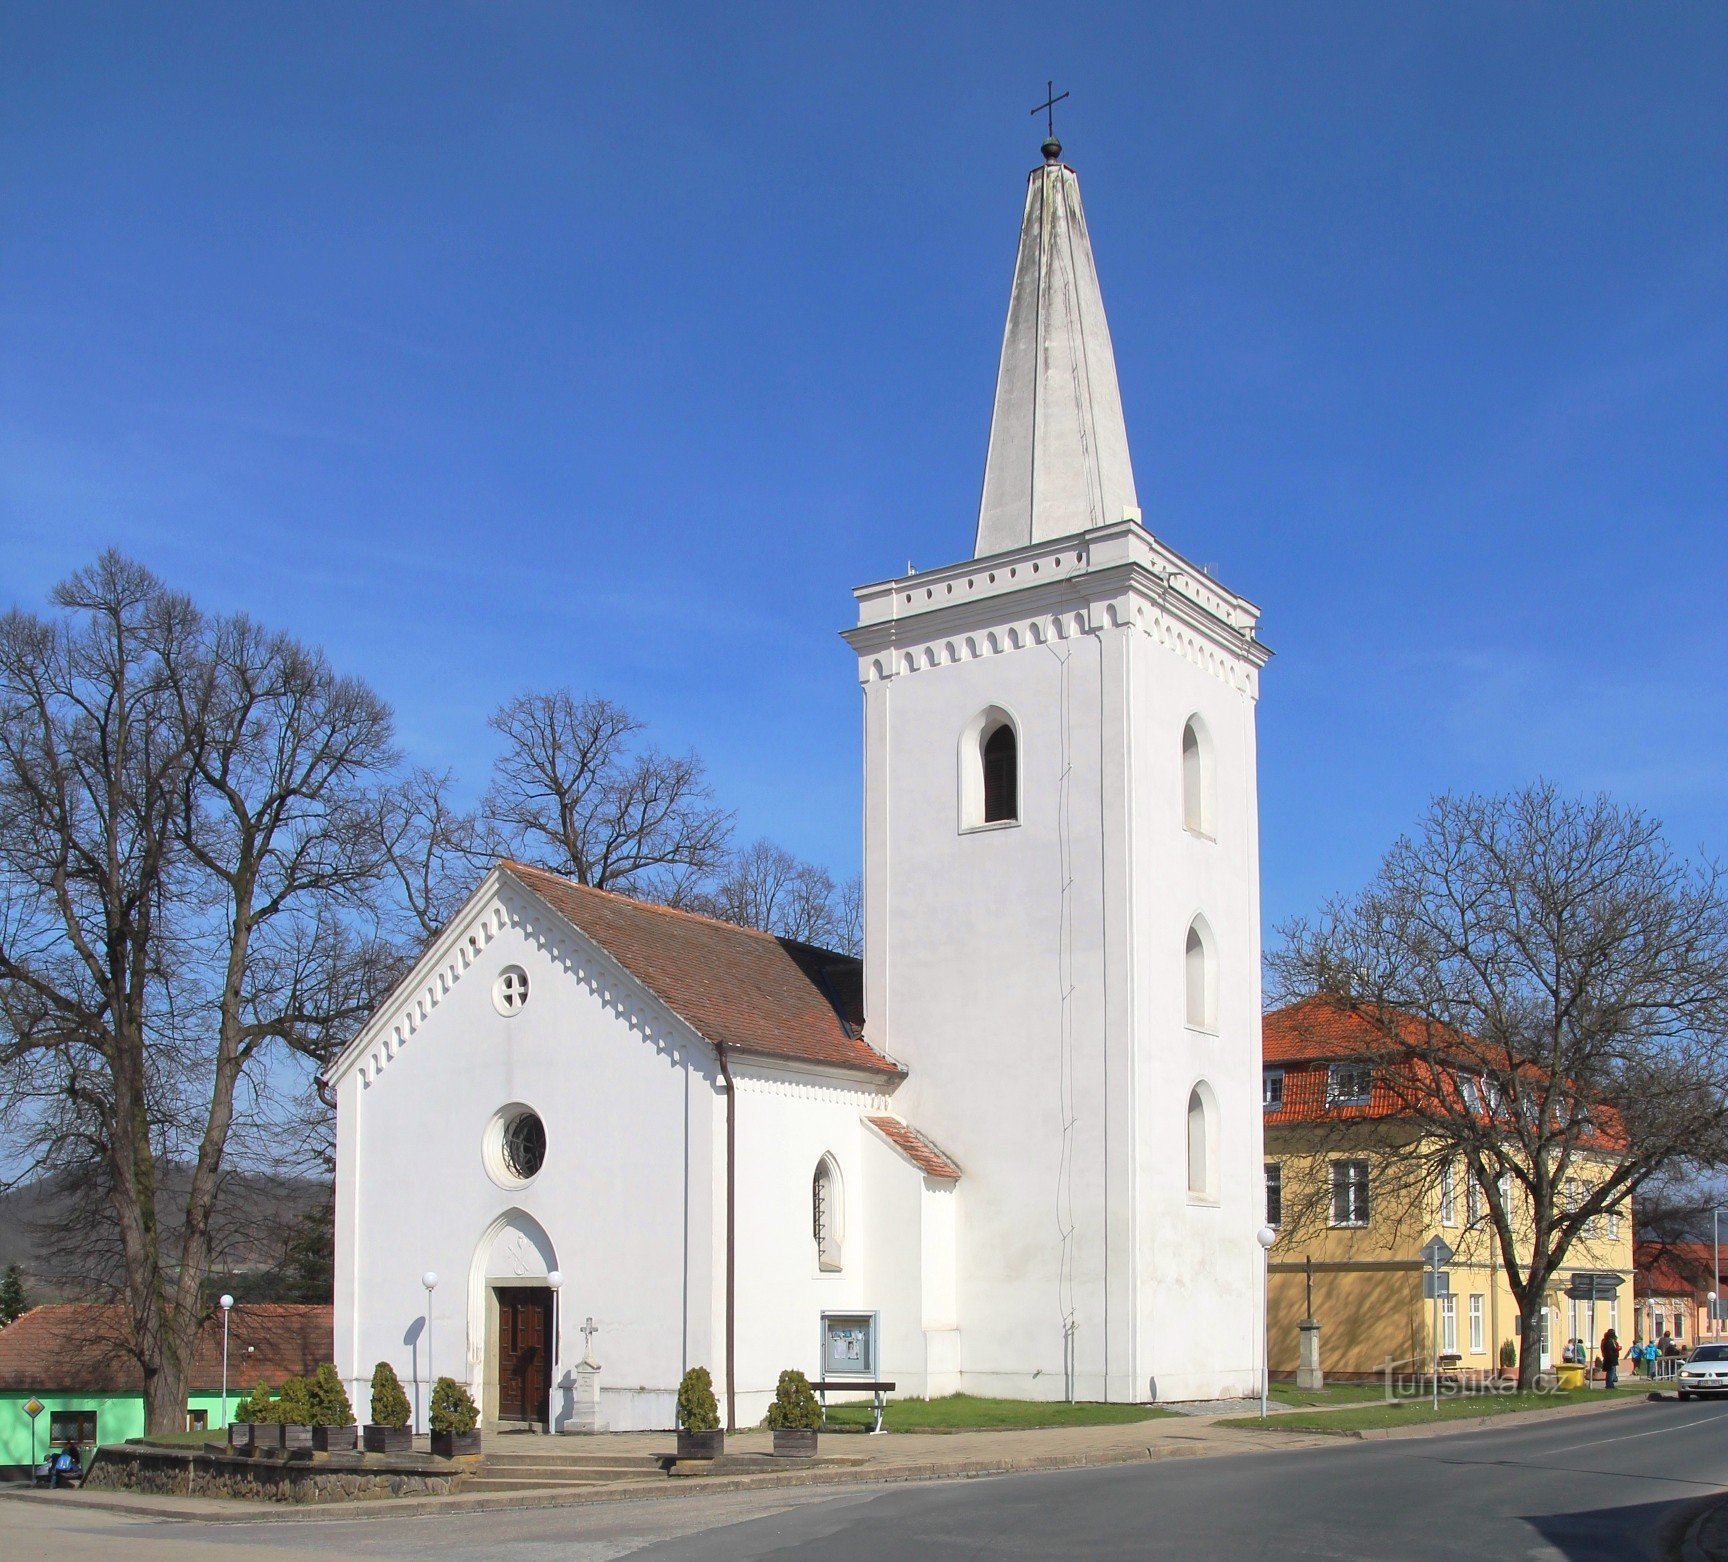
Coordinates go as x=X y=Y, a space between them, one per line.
x=1200 y=977
x=989 y=770
x=1202 y=1141
x=1198 y=787
x=827 y=1214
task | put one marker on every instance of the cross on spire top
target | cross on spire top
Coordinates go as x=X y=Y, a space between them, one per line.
x=1052 y=147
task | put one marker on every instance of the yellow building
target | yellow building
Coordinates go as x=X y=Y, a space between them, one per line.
x=1355 y=1192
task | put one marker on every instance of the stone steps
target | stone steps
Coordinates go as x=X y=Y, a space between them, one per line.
x=537 y=1468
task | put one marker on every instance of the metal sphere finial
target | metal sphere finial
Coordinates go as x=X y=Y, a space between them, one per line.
x=1052 y=150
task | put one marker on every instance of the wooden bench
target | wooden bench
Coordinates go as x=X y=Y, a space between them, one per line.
x=878 y=1393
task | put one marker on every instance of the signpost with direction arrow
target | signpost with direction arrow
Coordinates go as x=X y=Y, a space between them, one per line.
x=1436 y=1255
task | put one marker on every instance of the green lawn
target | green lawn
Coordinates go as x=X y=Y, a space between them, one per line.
x=1332 y=1394
x=967 y=1413
x=1419 y=1412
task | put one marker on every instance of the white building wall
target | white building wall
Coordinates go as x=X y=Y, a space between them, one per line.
x=1030 y=976
x=625 y=1198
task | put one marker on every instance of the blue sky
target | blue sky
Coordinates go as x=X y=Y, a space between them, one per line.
x=508 y=345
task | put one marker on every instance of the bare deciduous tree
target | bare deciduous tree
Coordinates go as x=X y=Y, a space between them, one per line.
x=186 y=865
x=765 y=886
x=432 y=849
x=573 y=792
x=1544 y=986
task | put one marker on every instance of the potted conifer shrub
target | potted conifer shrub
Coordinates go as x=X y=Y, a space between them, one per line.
x=794 y=1417
x=333 y=1428
x=454 y=1420
x=294 y=1409
x=699 y=1434
x=387 y=1432
x=254 y=1424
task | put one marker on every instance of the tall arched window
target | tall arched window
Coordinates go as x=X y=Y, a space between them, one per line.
x=827 y=1213
x=989 y=770
x=1198 y=790
x=1200 y=977
x=1001 y=776
x=1202 y=1136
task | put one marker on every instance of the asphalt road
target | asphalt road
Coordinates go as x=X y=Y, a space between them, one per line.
x=1610 y=1486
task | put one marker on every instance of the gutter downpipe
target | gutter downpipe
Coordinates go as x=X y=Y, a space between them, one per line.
x=731 y=1232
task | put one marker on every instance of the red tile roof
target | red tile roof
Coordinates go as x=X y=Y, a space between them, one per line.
x=79 y=1347
x=914 y=1146
x=1673 y=1268
x=1305 y=1039
x=749 y=991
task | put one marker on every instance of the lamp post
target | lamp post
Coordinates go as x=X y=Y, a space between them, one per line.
x=430 y=1281
x=554 y=1279
x=1716 y=1264
x=1265 y=1236
x=226 y=1303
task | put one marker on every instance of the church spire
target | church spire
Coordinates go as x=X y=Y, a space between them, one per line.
x=1058 y=460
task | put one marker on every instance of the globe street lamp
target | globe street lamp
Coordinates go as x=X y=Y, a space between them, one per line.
x=226 y=1303
x=1265 y=1236
x=430 y=1281
x=554 y=1280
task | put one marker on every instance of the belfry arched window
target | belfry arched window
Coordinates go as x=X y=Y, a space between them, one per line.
x=1001 y=776
x=827 y=1214
x=1202 y=1144
x=1199 y=790
x=1200 y=977
x=989 y=770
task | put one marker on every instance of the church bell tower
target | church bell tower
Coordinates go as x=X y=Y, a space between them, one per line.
x=1062 y=941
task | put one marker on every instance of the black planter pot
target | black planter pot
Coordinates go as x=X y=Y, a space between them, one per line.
x=447 y=1445
x=335 y=1439
x=386 y=1439
x=795 y=1442
x=700 y=1445
x=296 y=1438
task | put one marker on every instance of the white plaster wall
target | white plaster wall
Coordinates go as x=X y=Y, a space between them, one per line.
x=786 y=1123
x=626 y=1195
x=972 y=942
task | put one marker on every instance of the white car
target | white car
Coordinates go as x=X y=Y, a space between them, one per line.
x=1705 y=1371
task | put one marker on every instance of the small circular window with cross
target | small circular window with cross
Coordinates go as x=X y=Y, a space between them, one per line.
x=510 y=991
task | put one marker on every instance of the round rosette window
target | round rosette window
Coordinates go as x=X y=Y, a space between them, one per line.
x=515 y=1146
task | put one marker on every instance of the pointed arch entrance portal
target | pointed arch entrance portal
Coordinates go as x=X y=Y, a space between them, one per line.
x=510 y=1291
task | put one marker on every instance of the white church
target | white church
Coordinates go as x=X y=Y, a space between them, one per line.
x=1014 y=1151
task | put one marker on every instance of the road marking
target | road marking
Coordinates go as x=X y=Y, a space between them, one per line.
x=1627 y=1437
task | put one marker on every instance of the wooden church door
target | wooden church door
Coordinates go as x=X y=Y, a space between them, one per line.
x=524 y=1353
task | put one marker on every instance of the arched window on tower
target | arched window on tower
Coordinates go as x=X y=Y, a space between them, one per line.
x=1200 y=977
x=989 y=770
x=1001 y=776
x=827 y=1214
x=1198 y=788
x=1202 y=1144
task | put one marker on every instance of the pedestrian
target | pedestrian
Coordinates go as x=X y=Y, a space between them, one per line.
x=1568 y=1355
x=1610 y=1360
x=68 y=1464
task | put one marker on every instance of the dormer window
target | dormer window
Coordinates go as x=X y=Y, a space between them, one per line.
x=1349 y=1084
x=1272 y=1090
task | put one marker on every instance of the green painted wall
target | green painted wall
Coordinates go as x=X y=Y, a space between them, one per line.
x=118 y=1417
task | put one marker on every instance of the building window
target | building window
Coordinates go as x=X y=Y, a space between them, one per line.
x=1470 y=1088
x=1272 y=1089
x=1613 y=1225
x=1679 y=1323
x=989 y=770
x=1472 y=1197
x=197 y=1420
x=72 y=1426
x=1349 y=1084
x=827 y=1214
x=1573 y=1195
x=510 y=991
x=514 y=1148
x=1349 y=1193
x=1001 y=776
x=1448 y=1196
x=1202 y=1136
x=1476 y=1338
x=1274 y=1194
x=1449 y=1325
x=1201 y=976
x=1197 y=782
